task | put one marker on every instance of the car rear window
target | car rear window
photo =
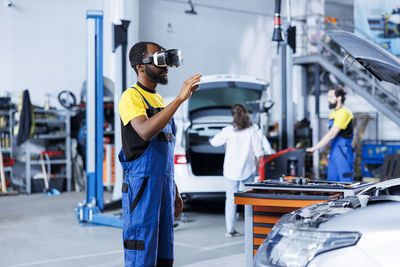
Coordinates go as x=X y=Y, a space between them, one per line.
x=224 y=97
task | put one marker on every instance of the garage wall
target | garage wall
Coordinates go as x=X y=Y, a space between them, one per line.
x=43 y=46
x=224 y=37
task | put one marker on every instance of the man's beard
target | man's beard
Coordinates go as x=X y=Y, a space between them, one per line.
x=332 y=105
x=156 y=77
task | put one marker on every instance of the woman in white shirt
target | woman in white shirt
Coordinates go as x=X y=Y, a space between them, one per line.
x=243 y=151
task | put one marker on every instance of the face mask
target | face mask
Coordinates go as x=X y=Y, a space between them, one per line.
x=333 y=105
x=163 y=59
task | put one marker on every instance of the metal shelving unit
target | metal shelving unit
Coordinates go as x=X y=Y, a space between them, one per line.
x=63 y=136
x=8 y=129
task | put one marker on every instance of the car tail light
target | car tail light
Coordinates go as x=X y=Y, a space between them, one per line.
x=180 y=159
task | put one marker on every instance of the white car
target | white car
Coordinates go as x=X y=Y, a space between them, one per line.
x=198 y=165
x=339 y=233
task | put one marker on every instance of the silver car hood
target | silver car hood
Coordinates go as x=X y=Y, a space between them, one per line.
x=375 y=59
x=346 y=214
x=375 y=217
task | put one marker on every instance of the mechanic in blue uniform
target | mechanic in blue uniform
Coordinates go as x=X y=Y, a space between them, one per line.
x=150 y=199
x=340 y=136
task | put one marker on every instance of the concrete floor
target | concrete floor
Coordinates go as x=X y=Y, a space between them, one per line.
x=39 y=230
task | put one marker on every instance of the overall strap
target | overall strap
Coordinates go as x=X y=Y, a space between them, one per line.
x=145 y=100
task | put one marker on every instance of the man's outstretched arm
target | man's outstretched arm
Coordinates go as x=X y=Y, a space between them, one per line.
x=332 y=133
x=147 y=128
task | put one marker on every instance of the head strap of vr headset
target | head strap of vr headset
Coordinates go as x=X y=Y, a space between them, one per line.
x=146 y=60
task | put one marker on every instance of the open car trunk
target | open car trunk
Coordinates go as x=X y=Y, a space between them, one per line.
x=209 y=112
x=206 y=163
x=204 y=159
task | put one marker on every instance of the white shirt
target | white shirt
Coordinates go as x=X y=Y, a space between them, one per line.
x=243 y=147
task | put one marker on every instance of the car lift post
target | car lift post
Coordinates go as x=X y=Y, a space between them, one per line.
x=120 y=43
x=90 y=210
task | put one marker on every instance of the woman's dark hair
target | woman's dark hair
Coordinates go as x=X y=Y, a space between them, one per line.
x=139 y=51
x=339 y=91
x=241 y=118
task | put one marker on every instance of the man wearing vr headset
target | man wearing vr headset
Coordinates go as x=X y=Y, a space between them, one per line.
x=150 y=199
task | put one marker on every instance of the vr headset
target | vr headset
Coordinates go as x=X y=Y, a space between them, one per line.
x=162 y=59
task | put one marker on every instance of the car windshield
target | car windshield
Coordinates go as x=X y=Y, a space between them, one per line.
x=224 y=97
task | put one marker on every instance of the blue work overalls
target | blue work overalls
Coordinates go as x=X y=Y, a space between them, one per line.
x=148 y=194
x=341 y=159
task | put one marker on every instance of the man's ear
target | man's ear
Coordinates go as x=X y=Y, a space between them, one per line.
x=340 y=98
x=140 y=68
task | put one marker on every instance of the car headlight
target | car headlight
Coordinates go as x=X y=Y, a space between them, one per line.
x=287 y=245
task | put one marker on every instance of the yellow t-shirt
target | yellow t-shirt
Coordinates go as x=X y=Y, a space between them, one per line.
x=132 y=105
x=341 y=117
